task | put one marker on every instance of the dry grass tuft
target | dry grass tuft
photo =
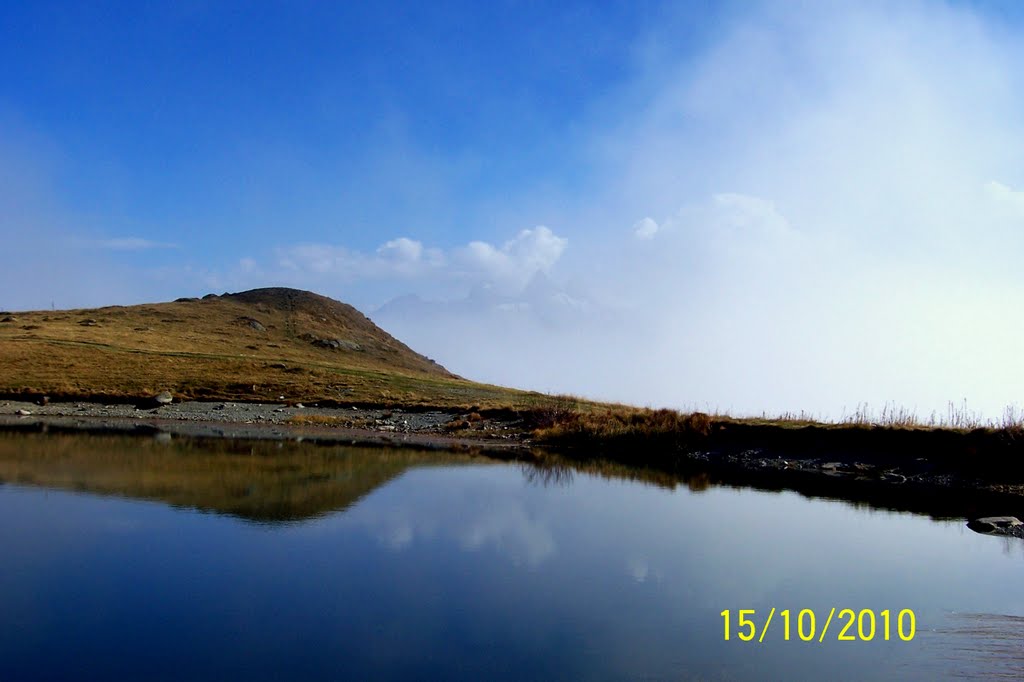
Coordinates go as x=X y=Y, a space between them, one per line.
x=328 y=420
x=456 y=425
x=629 y=430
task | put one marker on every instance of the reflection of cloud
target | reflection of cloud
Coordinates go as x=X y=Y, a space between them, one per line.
x=497 y=522
x=511 y=531
x=637 y=568
x=398 y=537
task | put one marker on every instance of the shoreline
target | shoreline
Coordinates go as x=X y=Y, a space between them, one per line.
x=265 y=421
x=860 y=465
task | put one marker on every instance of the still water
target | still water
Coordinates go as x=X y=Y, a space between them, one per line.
x=136 y=559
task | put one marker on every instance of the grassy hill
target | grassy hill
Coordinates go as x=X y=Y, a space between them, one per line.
x=263 y=344
x=254 y=345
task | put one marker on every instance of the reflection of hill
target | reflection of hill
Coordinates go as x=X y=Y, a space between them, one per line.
x=255 y=480
x=936 y=502
x=279 y=481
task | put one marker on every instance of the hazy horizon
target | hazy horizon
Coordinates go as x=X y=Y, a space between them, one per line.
x=743 y=207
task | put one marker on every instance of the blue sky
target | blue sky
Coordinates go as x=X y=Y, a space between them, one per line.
x=776 y=206
x=330 y=121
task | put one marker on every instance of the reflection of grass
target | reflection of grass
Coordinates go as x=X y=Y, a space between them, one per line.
x=258 y=480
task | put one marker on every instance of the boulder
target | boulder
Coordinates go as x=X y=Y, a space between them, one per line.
x=997 y=525
x=251 y=323
x=330 y=344
x=338 y=344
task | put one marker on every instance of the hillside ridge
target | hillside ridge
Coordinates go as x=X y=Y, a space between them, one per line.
x=258 y=344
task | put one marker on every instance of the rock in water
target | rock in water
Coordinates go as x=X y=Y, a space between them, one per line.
x=164 y=398
x=997 y=525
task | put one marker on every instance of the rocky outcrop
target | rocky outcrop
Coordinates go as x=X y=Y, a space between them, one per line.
x=331 y=344
x=252 y=323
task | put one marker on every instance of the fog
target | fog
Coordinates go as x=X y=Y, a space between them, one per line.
x=820 y=208
x=819 y=212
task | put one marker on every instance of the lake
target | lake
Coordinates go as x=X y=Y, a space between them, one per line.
x=149 y=558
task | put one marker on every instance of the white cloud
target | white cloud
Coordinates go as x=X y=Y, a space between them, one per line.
x=746 y=214
x=401 y=250
x=531 y=251
x=510 y=266
x=323 y=259
x=645 y=228
x=824 y=226
x=1007 y=198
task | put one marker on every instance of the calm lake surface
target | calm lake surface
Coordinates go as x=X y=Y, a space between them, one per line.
x=139 y=559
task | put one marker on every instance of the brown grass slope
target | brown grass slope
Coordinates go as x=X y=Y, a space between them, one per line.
x=254 y=345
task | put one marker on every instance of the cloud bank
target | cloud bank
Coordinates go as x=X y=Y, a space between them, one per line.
x=826 y=212
x=822 y=207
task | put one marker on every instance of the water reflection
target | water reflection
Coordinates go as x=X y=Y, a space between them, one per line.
x=981 y=646
x=289 y=481
x=946 y=504
x=255 y=480
x=400 y=564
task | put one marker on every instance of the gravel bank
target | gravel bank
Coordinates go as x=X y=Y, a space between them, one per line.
x=270 y=420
